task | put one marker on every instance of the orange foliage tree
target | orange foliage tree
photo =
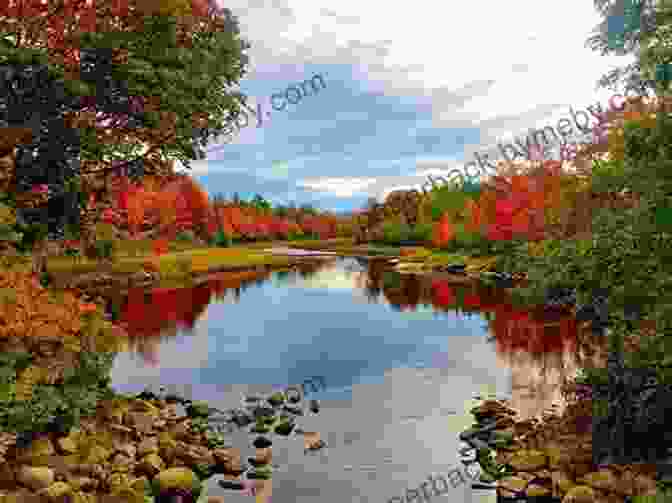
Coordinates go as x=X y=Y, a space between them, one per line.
x=443 y=231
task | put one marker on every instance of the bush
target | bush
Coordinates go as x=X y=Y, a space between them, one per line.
x=30 y=234
x=421 y=233
x=447 y=199
x=395 y=233
x=222 y=239
x=296 y=236
x=84 y=386
x=104 y=249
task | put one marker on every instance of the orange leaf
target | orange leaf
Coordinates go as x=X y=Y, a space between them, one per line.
x=521 y=221
x=520 y=183
x=87 y=308
x=443 y=231
x=476 y=217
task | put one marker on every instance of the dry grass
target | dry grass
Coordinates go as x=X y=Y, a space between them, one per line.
x=172 y=264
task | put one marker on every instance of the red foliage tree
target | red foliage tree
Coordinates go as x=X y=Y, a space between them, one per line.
x=135 y=206
x=443 y=231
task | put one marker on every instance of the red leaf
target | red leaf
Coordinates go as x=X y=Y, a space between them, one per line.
x=504 y=207
x=109 y=216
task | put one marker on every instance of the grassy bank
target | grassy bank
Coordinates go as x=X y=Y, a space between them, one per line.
x=171 y=264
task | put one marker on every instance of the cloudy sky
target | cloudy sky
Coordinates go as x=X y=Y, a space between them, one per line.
x=407 y=93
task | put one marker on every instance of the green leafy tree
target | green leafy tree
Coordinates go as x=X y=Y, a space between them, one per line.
x=627 y=27
x=655 y=55
x=260 y=203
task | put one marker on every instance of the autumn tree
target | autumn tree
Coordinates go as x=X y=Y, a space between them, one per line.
x=160 y=77
x=161 y=82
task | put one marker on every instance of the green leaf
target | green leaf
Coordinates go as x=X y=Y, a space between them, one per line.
x=79 y=88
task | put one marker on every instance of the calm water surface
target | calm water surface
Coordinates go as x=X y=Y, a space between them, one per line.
x=401 y=356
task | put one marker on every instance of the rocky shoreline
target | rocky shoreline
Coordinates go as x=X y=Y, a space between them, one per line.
x=548 y=458
x=143 y=446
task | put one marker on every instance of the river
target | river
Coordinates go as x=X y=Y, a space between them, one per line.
x=402 y=358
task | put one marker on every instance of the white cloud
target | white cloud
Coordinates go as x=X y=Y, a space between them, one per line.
x=502 y=67
x=340 y=187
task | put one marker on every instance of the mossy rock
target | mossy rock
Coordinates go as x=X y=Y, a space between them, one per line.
x=503 y=435
x=198 y=409
x=259 y=428
x=175 y=478
x=284 y=428
x=276 y=399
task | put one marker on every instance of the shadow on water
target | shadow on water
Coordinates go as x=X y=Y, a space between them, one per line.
x=541 y=350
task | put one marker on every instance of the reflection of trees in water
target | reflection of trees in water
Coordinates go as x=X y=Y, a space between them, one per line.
x=374 y=280
x=405 y=294
x=282 y=277
x=542 y=349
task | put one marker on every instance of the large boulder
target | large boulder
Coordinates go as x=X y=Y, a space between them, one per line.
x=35 y=477
x=176 y=478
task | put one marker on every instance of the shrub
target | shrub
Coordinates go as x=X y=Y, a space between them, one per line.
x=104 y=248
x=421 y=233
x=395 y=233
x=222 y=239
x=30 y=234
x=447 y=199
x=296 y=235
x=473 y=242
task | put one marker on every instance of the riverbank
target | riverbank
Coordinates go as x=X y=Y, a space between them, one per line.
x=170 y=270
x=131 y=449
x=549 y=457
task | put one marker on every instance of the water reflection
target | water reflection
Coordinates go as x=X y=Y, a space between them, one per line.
x=540 y=349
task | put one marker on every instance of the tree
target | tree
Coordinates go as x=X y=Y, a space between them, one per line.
x=147 y=75
x=165 y=83
x=443 y=231
x=260 y=203
x=626 y=27
x=135 y=212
